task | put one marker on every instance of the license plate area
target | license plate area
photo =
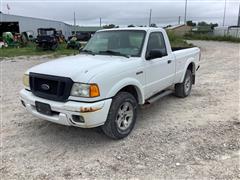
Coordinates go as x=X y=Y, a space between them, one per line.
x=43 y=108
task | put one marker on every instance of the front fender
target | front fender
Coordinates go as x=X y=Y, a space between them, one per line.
x=127 y=82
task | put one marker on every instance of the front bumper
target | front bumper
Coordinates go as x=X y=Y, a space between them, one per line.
x=64 y=111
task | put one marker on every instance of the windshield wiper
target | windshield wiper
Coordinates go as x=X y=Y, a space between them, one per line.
x=87 y=51
x=113 y=53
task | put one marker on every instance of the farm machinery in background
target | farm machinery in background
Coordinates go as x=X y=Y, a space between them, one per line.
x=49 y=38
x=75 y=41
x=17 y=40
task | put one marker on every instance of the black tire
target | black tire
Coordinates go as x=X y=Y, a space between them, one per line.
x=111 y=127
x=181 y=90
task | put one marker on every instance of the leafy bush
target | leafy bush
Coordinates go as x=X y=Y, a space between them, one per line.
x=177 y=41
x=31 y=50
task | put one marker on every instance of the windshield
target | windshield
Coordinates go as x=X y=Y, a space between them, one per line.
x=125 y=42
x=46 y=32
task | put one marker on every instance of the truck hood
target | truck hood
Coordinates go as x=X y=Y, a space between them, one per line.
x=80 y=68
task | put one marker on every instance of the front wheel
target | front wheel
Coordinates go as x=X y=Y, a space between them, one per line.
x=121 y=117
x=184 y=89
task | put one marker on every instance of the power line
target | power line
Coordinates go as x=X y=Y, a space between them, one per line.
x=150 y=17
x=74 y=19
x=185 y=15
x=239 y=16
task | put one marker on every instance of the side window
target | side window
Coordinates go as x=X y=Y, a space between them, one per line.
x=156 y=42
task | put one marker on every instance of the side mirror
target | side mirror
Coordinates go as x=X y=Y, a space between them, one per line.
x=153 y=54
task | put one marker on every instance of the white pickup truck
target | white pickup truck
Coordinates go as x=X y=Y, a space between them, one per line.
x=118 y=70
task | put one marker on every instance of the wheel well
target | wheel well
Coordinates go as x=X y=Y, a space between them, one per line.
x=191 y=67
x=132 y=90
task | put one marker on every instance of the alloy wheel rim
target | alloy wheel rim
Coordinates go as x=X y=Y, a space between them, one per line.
x=187 y=84
x=124 y=116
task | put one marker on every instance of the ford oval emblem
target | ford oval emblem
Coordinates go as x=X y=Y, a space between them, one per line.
x=45 y=87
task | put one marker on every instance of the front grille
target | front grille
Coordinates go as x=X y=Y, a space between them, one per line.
x=50 y=87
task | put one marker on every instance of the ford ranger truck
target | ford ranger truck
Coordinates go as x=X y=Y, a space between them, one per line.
x=118 y=70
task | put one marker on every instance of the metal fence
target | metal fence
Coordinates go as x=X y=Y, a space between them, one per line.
x=235 y=32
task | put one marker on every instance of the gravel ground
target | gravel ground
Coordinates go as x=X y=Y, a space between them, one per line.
x=196 y=137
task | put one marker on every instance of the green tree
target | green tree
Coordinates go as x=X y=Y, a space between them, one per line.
x=153 y=25
x=109 y=26
x=191 y=23
x=131 y=25
x=213 y=25
x=202 y=23
x=168 y=26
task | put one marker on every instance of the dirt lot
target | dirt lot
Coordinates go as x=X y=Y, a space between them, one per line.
x=196 y=137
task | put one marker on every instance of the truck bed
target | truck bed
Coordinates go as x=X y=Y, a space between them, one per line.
x=184 y=55
x=179 y=48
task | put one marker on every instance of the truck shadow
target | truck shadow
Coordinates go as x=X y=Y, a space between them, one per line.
x=50 y=132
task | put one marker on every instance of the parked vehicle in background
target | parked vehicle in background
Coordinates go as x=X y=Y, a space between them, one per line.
x=83 y=36
x=118 y=70
x=27 y=36
x=47 y=39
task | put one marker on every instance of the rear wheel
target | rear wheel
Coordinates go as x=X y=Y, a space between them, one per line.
x=184 y=89
x=122 y=116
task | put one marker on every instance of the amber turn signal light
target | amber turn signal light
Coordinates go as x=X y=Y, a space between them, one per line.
x=94 y=90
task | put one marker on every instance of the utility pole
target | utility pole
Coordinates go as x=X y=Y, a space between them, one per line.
x=150 y=18
x=100 y=22
x=224 y=13
x=239 y=16
x=179 y=19
x=74 y=23
x=185 y=14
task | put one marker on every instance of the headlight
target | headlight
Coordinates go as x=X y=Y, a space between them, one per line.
x=26 y=80
x=85 y=90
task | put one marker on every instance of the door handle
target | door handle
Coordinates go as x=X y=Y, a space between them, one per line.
x=139 y=72
x=169 y=61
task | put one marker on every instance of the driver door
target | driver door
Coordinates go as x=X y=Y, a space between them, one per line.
x=159 y=71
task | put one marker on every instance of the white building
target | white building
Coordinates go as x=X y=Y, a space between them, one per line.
x=19 y=24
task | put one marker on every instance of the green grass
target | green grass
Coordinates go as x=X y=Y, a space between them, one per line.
x=31 y=50
x=177 y=41
x=191 y=36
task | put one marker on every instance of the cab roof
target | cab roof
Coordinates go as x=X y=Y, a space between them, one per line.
x=132 y=28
